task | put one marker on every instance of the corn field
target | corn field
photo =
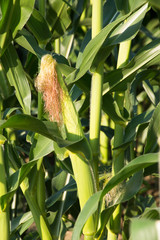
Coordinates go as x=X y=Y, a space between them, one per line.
x=79 y=119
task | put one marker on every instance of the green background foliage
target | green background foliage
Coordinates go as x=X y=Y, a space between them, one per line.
x=34 y=148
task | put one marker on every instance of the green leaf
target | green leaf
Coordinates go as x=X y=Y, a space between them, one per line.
x=10 y=19
x=151 y=213
x=17 y=222
x=26 y=8
x=14 y=182
x=117 y=79
x=129 y=28
x=29 y=123
x=110 y=8
x=104 y=218
x=134 y=166
x=149 y=90
x=14 y=16
x=90 y=207
x=17 y=78
x=38 y=26
x=122 y=6
x=127 y=6
x=71 y=186
x=144 y=229
x=63 y=183
x=58 y=17
x=133 y=126
x=111 y=15
x=121 y=193
x=92 y=204
x=153 y=132
x=5 y=88
x=41 y=147
x=91 y=50
x=155 y=4
x=113 y=33
x=25 y=226
x=66 y=44
x=110 y=107
x=125 y=190
x=27 y=41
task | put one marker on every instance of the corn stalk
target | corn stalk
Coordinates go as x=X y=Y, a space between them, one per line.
x=118 y=158
x=60 y=108
x=4 y=215
x=96 y=89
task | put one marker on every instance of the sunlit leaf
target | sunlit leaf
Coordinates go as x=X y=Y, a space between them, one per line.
x=41 y=147
x=144 y=229
x=92 y=204
x=15 y=14
x=17 y=78
x=29 y=123
x=113 y=33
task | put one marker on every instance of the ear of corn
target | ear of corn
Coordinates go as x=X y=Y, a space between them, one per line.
x=60 y=108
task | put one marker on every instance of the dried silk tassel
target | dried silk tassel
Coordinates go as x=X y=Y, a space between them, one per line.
x=47 y=83
x=58 y=103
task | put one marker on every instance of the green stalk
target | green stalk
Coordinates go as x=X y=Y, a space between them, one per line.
x=96 y=89
x=97 y=16
x=104 y=141
x=4 y=215
x=62 y=110
x=57 y=45
x=118 y=158
x=84 y=180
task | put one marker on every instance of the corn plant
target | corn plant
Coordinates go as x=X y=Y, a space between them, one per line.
x=79 y=119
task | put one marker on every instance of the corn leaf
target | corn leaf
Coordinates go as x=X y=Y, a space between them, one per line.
x=14 y=16
x=133 y=126
x=121 y=193
x=17 y=78
x=111 y=108
x=29 y=123
x=26 y=8
x=25 y=39
x=155 y=4
x=41 y=146
x=71 y=186
x=113 y=33
x=14 y=182
x=127 y=6
x=144 y=229
x=153 y=132
x=5 y=88
x=57 y=17
x=117 y=79
x=38 y=26
x=92 y=204
x=17 y=222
